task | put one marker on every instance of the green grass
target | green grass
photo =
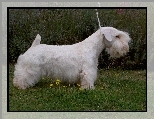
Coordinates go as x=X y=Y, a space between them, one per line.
x=116 y=90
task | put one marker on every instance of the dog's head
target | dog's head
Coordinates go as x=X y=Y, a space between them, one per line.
x=116 y=42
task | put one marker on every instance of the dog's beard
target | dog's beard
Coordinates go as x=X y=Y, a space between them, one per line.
x=119 y=48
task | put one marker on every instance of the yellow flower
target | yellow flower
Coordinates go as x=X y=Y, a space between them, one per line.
x=101 y=88
x=78 y=85
x=51 y=85
x=64 y=86
x=58 y=80
x=80 y=89
x=57 y=83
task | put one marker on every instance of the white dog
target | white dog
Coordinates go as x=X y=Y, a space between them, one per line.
x=75 y=63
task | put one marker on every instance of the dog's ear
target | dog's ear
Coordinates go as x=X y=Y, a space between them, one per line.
x=109 y=33
x=107 y=42
x=108 y=36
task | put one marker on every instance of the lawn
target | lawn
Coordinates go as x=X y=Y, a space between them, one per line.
x=115 y=90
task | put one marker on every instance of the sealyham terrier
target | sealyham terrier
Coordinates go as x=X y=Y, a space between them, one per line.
x=75 y=63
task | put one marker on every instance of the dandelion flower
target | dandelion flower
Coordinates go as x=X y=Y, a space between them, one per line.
x=58 y=80
x=57 y=83
x=51 y=85
x=78 y=85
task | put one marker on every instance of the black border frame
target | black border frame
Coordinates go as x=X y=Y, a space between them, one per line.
x=8 y=110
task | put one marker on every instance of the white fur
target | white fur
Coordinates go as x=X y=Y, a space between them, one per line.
x=75 y=63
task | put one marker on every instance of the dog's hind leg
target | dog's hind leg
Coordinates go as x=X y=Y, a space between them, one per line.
x=26 y=76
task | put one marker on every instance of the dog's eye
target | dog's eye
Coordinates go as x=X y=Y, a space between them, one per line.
x=117 y=36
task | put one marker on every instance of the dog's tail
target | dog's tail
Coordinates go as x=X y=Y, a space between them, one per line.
x=36 y=41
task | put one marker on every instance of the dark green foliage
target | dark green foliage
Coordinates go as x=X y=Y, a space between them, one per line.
x=69 y=26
